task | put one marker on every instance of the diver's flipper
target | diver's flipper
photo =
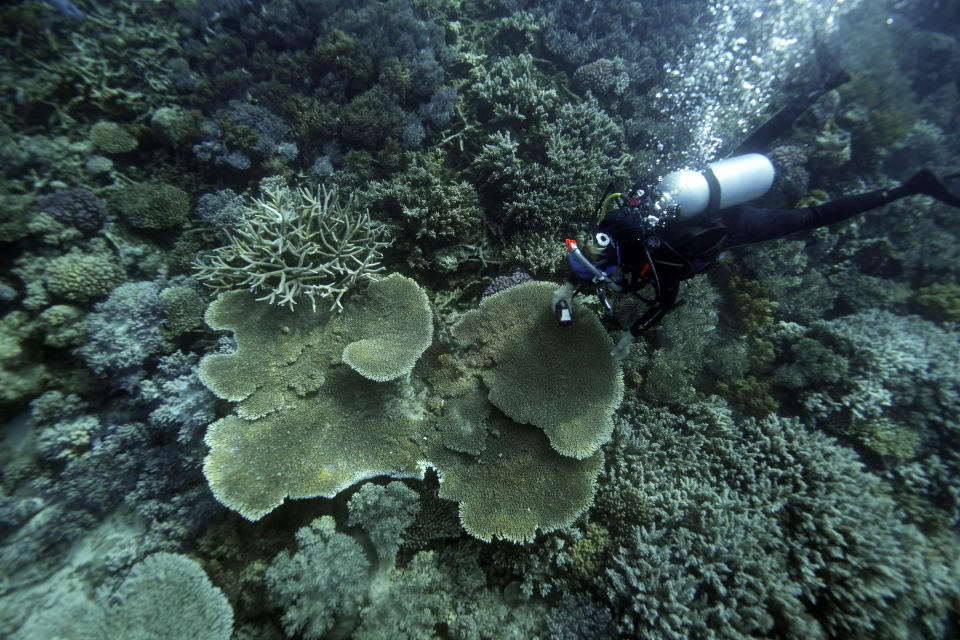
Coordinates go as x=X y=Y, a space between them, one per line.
x=928 y=183
x=831 y=75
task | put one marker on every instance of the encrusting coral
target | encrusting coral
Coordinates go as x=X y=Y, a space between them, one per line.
x=293 y=245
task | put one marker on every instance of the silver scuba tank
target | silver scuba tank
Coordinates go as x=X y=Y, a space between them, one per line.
x=723 y=184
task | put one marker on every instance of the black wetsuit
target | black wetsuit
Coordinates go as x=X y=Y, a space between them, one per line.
x=683 y=247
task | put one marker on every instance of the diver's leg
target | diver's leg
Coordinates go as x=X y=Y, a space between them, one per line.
x=746 y=224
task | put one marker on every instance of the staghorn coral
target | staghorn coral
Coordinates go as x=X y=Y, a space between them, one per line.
x=293 y=245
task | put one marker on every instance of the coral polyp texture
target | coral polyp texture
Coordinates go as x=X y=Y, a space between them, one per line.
x=554 y=489
x=296 y=245
x=313 y=419
x=551 y=376
x=390 y=347
x=306 y=425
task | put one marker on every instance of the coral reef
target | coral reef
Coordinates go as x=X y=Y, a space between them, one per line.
x=771 y=564
x=361 y=171
x=141 y=607
x=295 y=245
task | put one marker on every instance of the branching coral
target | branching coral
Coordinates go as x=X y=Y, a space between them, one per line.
x=293 y=245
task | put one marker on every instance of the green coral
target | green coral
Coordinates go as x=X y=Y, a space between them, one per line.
x=389 y=348
x=304 y=426
x=344 y=56
x=545 y=184
x=754 y=306
x=940 y=301
x=308 y=425
x=141 y=608
x=324 y=579
x=589 y=553
x=176 y=126
x=185 y=310
x=80 y=277
x=152 y=205
x=463 y=426
x=514 y=487
x=524 y=357
x=384 y=512
x=750 y=393
x=371 y=118
x=63 y=326
x=440 y=212
x=22 y=373
x=110 y=137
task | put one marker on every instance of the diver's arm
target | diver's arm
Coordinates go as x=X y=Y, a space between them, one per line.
x=565 y=293
x=653 y=315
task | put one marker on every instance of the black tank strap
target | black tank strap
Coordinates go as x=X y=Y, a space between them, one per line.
x=714 y=203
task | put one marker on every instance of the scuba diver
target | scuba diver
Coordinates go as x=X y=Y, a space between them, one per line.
x=664 y=235
x=667 y=234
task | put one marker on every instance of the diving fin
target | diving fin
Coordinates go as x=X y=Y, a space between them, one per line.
x=830 y=76
x=929 y=183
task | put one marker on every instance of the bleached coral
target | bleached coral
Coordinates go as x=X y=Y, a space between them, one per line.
x=294 y=245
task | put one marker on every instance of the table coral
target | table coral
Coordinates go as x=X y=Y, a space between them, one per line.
x=389 y=348
x=306 y=425
x=557 y=378
x=553 y=489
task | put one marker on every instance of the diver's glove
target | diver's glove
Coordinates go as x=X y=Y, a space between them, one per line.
x=622 y=350
x=561 y=303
